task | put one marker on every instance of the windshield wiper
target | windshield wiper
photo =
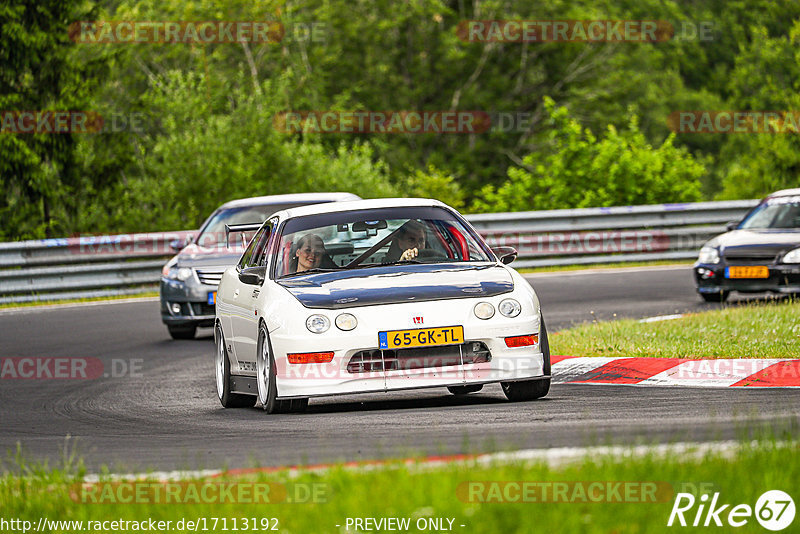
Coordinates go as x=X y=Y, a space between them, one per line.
x=311 y=271
x=404 y=262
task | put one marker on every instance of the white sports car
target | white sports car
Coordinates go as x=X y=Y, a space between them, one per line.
x=374 y=296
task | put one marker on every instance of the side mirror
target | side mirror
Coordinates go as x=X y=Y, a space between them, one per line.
x=179 y=244
x=506 y=254
x=732 y=225
x=253 y=276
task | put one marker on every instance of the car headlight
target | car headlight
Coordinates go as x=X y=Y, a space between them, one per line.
x=483 y=310
x=182 y=274
x=510 y=308
x=346 y=321
x=793 y=256
x=708 y=255
x=318 y=324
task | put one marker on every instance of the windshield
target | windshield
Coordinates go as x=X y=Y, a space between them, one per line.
x=364 y=238
x=779 y=212
x=213 y=233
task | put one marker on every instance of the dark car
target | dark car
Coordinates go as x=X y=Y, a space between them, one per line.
x=761 y=253
x=189 y=280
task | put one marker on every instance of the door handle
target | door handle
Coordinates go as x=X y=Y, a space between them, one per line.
x=236 y=293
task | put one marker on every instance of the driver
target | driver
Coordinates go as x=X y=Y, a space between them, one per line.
x=408 y=241
x=310 y=254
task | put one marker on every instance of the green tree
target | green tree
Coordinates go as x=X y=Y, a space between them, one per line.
x=194 y=157
x=434 y=183
x=40 y=70
x=209 y=137
x=579 y=170
x=766 y=78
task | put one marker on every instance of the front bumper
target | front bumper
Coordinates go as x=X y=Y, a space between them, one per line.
x=192 y=297
x=710 y=278
x=311 y=380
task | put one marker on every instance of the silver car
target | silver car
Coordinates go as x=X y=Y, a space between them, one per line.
x=189 y=280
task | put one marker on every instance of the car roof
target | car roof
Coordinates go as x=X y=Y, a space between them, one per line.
x=287 y=199
x=354 y=205
x=785 y=193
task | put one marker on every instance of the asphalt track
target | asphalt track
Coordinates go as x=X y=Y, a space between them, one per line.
x=166 y=416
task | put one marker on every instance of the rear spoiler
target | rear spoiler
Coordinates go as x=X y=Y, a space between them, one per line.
x=229 y=228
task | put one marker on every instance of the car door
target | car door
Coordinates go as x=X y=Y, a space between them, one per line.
x=244 y=325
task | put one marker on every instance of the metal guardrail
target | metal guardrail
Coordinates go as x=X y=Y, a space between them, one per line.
x=121 y=264
x=609 y=235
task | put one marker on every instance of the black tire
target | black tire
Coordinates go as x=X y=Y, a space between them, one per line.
x=222 y=371
x=265 y=380
x=545 y=345
x=265 y=374
x=719 y=296
x=295 y=405
x=182 y=332
x=465 y=390
x=526 y=390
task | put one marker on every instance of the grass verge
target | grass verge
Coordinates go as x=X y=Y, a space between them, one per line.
x=635 y=494
x=763 y=330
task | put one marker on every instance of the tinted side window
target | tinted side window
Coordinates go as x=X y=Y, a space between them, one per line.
x=256 y=247
x=262 y=251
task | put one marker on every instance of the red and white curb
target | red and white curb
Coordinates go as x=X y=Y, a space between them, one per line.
x=676 y=372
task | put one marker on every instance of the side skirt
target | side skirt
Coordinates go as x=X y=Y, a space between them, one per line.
x=244 y=384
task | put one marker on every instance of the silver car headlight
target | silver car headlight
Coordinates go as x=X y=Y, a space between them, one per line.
x=793 y=256
x=510 y=308
x=483 y=310
x=708 y=255
x=318 y=324
x=182 y=274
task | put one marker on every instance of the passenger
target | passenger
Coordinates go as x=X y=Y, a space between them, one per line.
x=310 y=254
x=408 y=241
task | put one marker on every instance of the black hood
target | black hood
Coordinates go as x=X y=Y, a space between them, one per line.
x=757 y=242
x=394 y=284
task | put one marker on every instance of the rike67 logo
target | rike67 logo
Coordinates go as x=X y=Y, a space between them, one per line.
x=774 y=510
